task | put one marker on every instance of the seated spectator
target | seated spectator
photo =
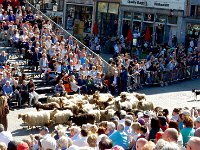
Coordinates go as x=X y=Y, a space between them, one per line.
x=44 y=63
x=25 y=94
x=31 y=90
x=8 y=78
x=73 y=84
x=8 y=92
x=59 y=89
x=16 y=93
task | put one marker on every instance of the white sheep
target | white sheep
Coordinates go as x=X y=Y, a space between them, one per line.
x=145 y=105
x=106 y=115
x=97 y=114
x=61 y=117
x=33 y=118
x=58 y=100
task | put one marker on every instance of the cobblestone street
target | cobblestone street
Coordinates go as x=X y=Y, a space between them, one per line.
x=176 y=95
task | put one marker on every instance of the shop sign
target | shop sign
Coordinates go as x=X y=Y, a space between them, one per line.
x=169 y=4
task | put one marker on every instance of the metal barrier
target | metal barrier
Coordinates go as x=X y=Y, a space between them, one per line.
x=163 y=77
x=67 y=34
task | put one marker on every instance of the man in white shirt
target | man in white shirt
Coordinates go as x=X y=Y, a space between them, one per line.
x=5 y=136
x=82 y=142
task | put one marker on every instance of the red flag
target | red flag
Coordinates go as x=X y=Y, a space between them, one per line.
x=147 y=36
x=95 y=28
x=129 y=36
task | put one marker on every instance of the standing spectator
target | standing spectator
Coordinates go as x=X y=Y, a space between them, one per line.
x=193 y=143
x=24 y=93
x=155 y=127
x=188 y=131
x=3 y=58
x=174 y=41
x=124 y=79
x=140 y=143
x=90 y=85
x=4 y=110
x=5 y=136
x=114 y=83
x=120 y=137
x=36 y=58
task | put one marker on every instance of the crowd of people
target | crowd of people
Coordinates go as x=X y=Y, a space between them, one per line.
x=148 y=130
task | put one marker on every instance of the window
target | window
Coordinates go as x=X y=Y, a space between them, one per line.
x=160 y=18
x=192 y=10
x=113 y=8
x=149 y=17
x=198 y=11
x=172 y=19
x=137 y=16
x=127 y=15
x=102 y=7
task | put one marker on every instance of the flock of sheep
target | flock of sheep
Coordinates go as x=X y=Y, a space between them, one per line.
x=82 y=109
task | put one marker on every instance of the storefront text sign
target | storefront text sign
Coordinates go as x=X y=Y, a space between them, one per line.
x=164 y=4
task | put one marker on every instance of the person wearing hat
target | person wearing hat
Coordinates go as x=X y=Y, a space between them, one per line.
x=22 y=146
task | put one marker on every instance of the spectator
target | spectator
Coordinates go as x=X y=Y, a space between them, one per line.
x=155 y=127
x=75 y=133
x=120 y=137
x=5 y=136
x=44 y=63
x=73 y=84
x=124 y=79
x=16 y=93
x=105 y=143
x=31 y=90
x=114 y=83
x=36 y=58
x=82 y=142
x=60 y=89
x=193 y=143
x=25 y=94
x=149 y=146
x=90 y=85
x=92 y=141
x=111 y=128
x=12 y=145
x=22 y=146
x=188 y=131
x=8 y=92
x=3 y=146
x=140 y=143
x=3 y=58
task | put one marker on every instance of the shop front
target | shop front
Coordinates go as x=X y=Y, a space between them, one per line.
x=153 y=21
x=78 y=16
x=107 y=16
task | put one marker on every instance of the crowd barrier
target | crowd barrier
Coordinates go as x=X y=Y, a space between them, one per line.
x=162 y=77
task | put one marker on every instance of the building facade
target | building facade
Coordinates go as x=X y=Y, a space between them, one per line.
x=78 y=16
x=159 y=19
x=192 y=21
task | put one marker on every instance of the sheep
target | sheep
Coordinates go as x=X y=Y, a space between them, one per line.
x=81 y=119
x=106 y=115
x=39 y=118
x=145 y=105
x=61 y=117
x=48 y=106
x=59 y=100
x=97 y=115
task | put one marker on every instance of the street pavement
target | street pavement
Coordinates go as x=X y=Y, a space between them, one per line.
x=171 y=96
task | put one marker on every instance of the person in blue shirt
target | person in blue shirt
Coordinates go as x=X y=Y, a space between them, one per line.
x=8 y=92
x=119 y=137
x=11 y=17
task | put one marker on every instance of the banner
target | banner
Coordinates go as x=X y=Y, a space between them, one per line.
x=163 y=4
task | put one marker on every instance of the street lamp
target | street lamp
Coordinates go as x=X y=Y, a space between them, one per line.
x=55 y=6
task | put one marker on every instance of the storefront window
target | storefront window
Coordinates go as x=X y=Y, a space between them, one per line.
x=172 y=19
x=113 y=8
x=198 y=11
x=160 y=18
x=136 y=29
x=127 y=15
x=137 y=16
x=102 y=7
x=82 y=15
x=149 y=17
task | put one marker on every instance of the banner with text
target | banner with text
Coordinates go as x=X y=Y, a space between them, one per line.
x=164 y=4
